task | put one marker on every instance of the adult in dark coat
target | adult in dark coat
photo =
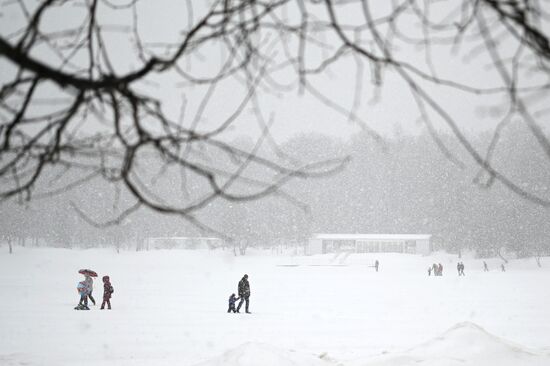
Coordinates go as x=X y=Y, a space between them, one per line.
x=244 y=293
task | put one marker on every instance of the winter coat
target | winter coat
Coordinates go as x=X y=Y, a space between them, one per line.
x=107 y=290
x=244 y=288
x=82 y=288
x=89 y=284
x=232 y=300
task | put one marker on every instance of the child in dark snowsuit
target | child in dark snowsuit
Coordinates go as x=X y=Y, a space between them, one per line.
x=232 y=300
x=107 y=292
x=82 y=289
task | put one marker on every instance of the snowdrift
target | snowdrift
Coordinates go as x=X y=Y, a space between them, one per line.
x=465 y=344
x=170 y=308
x=254 y=354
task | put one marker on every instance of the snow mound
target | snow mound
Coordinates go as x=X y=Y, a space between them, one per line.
x=254 y=354
x=465 y=344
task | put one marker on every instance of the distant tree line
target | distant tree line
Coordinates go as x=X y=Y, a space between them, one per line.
x=403 y=186
x=112 y=97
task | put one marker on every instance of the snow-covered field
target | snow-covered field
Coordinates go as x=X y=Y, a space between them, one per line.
x=169 y=308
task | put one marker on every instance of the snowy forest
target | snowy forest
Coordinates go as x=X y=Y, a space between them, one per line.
x=404 y=185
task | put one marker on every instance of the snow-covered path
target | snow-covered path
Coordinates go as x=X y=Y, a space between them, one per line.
x=170 y=307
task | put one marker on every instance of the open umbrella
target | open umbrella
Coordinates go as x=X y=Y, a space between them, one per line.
x=88 y=272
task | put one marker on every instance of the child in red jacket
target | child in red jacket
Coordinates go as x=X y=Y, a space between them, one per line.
x=107 y=292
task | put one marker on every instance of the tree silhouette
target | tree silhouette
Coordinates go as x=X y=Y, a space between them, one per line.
x=67 y=103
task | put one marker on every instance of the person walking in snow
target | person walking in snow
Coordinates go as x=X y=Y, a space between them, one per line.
x=440 y=269
x=107 y=292
x=485 y=267
x=376 y=264
x=435 y=269
x=244 y=293
x=232 y=300
x=430 y=271
x=458 y=268
x=90 y=284
x=502 y=267
x=83 y=292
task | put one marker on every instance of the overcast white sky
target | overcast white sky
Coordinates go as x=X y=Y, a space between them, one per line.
x=395 y=110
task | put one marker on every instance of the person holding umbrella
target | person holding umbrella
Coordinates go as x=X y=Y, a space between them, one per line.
x=90 y=286
x=89 y=282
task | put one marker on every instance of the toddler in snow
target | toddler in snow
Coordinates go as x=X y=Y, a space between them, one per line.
x=107 y=292
x=232 y=300
x=82 y=289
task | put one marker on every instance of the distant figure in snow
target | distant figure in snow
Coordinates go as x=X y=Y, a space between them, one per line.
x=485 y=267
x=435 y=269
x=232 y=300
x=502 y=267
x=440 y=269
x=107 y=292
x=376 y=264
x=430 y=271
x=82 y=289
x=461 y=269
x=244 y=293
x=458 y=268
x=90 y=284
